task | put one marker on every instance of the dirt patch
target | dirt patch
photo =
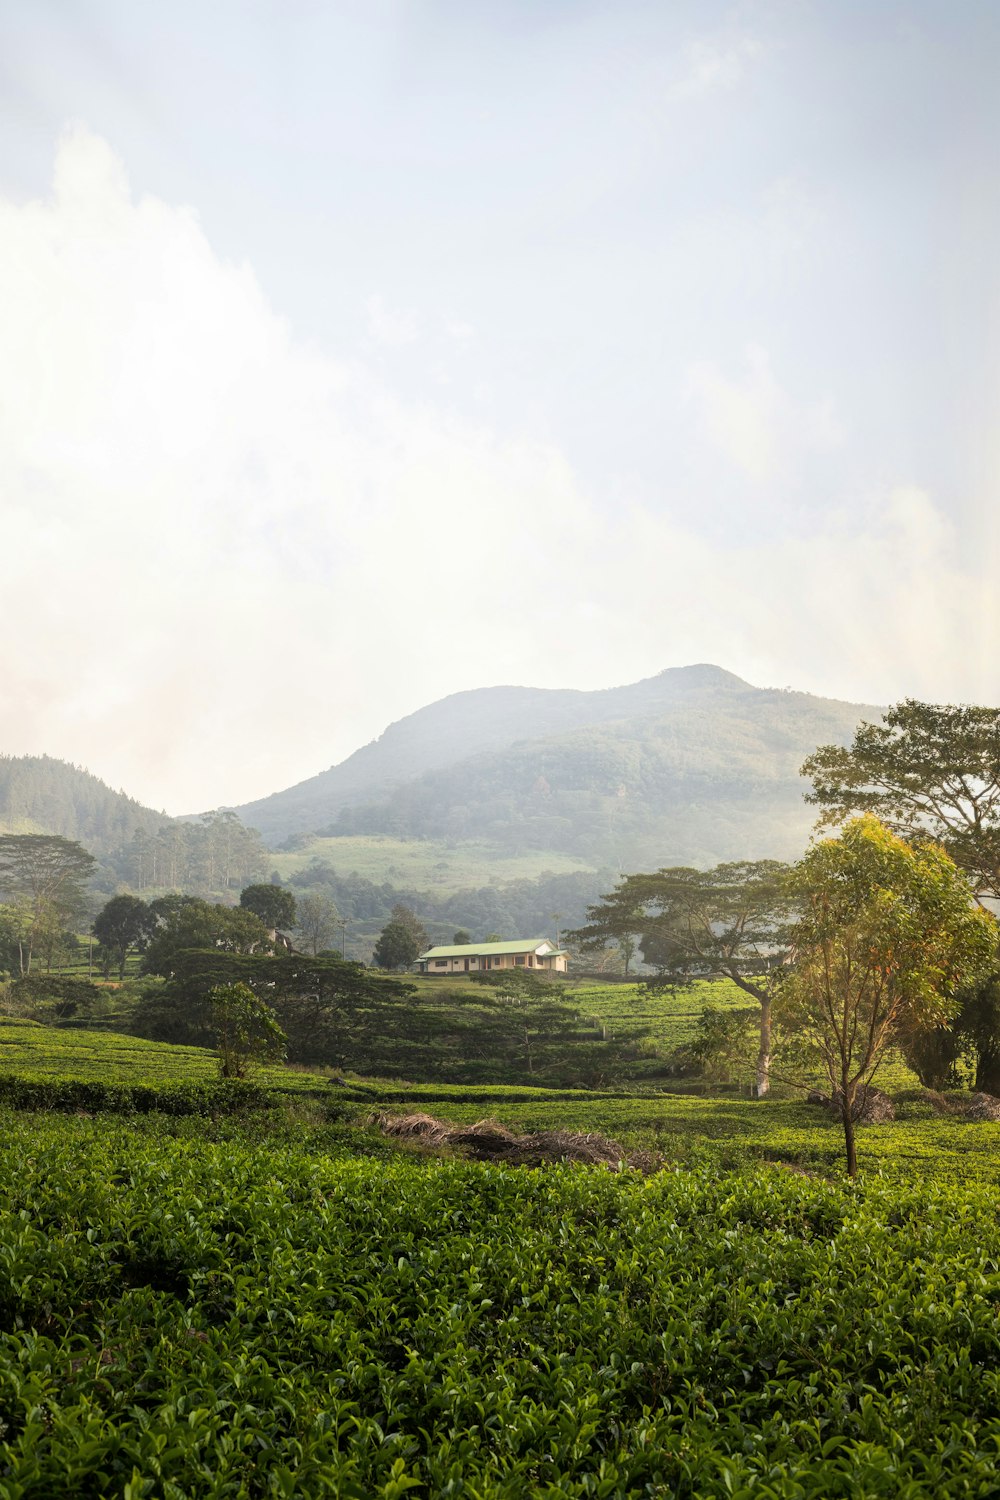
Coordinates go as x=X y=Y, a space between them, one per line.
x=489 y=1140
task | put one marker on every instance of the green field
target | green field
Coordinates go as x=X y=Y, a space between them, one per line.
x=184 y=1315
x=424 y=864
x=270 y=1298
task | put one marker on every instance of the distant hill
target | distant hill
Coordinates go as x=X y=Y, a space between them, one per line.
x=41 y=795
x=693 y=765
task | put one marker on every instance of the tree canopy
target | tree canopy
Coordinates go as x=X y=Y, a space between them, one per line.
x=927 y=769
x=274 y=905
x=186 y=922
x=123 y=923
x=43 y=878
x=885 y=936
x=402 y=938
x=697 y=924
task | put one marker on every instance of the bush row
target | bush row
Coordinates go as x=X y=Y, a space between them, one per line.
x=222 y=1097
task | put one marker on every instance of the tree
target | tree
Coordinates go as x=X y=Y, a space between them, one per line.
x=45 y=875
x=247 y=1031
x=316 y=1000
x=317 y=921
x=274 y=906
x=887 y=934
x=400 y=940
x=730 y=921
x=123 y=923
x=186 y=922
x=926 y=770
x=461 y=938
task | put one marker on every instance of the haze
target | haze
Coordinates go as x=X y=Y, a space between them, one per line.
x=355 y=355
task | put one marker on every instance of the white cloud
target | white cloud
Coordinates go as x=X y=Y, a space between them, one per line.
x=754 y=422
x=229 y=559
x=389 y=327
x=713 y=63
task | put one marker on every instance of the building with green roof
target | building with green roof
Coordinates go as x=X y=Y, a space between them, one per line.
x=532 y=954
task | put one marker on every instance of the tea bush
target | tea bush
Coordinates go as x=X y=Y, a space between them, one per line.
x=182 y=1316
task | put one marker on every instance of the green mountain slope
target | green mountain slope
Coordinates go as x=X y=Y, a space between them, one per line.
x=39 y=794
x=694 y=765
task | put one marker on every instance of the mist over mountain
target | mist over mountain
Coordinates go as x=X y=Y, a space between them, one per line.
x=692 y=765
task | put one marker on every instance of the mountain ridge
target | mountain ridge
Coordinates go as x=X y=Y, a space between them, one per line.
x=699 y=703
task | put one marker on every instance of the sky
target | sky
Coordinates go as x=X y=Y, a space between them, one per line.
x=356 y=354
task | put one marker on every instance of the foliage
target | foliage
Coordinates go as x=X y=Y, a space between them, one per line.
x=400 y=941
x=44 y=876
x=63 y=995
x=721 y=1048
x=927 y=769
x=318 y=920
x=122 y=924
x=694 y=924
x=886 y=935
x=188 y=1315
x=246 y=1029
x=274 y=906
x=186 y=922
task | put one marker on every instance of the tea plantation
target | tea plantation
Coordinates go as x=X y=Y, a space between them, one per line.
x=273 y=1300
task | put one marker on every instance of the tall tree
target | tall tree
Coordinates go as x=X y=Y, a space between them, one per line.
x=122 y=924
x=887 y=934
x=274 y=905
x=927 y=769
x=186 y=923
x=48 y=875
x=400 y=940
x=731 y=921
x=317 y=920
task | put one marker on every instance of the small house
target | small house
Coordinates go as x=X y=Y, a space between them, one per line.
x=534 y=954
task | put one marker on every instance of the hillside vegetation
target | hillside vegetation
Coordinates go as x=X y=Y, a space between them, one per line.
x=694 y=765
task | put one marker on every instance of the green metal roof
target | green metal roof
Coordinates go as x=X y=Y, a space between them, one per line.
x=473 y=950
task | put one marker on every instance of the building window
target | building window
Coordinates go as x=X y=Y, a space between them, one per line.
x=519 y=959
x=440 y=963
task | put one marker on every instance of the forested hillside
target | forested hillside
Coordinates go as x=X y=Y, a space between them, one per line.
x=41 y=795
x=133 y=845
x=648 y=737
x=711 y=774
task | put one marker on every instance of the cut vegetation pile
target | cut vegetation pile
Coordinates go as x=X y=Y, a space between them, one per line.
x=489 y=1140
x=983 y=1107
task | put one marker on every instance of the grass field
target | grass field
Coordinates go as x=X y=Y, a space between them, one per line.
x=443 y=868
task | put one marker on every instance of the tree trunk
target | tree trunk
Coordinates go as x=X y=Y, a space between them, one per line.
x=988 y=1070
x=763 y=1079
x=847 y=1097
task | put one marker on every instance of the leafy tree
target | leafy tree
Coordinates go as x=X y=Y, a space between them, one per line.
x=926 y=770
x=316 y=1000
x=47 y=876
x=400 y=940
x=461 y=938
x=731 y=921
x=185 y=922
x=247 y=1031
x=123 y=923
x=887 y=934
x=274 y=906
x=317 y=921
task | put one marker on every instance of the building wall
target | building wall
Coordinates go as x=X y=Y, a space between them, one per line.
x=494 y=961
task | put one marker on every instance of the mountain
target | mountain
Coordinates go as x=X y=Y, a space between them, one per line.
x=693 y=765
x=39 y=794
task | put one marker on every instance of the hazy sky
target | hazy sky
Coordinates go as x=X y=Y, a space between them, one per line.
x=355 y=354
